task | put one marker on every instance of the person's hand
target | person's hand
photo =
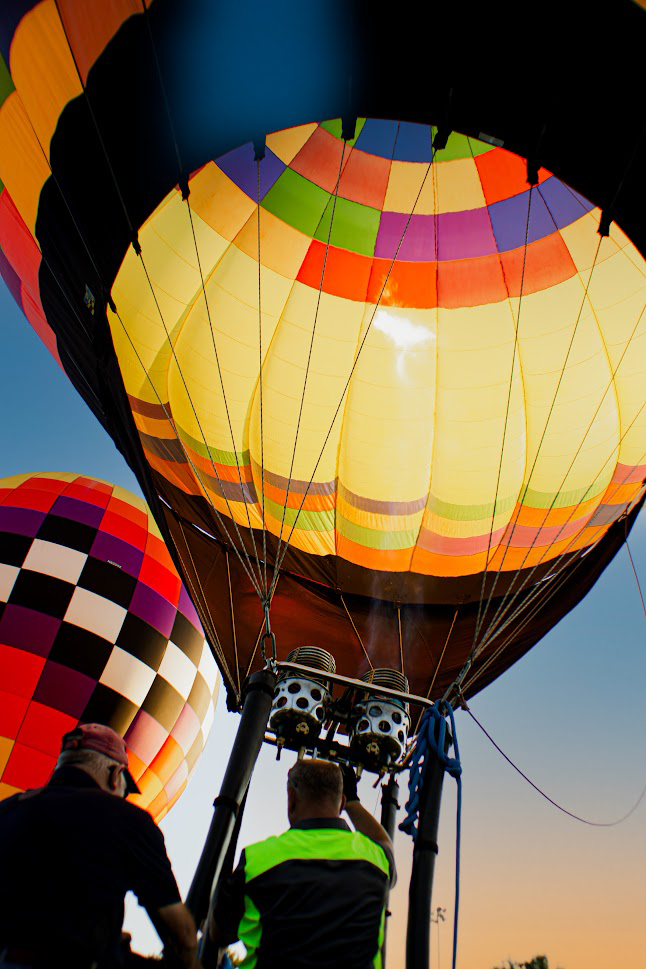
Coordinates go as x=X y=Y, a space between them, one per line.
x=349 y=784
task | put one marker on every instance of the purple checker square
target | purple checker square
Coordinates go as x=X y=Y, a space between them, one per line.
x=21 y=521
x=145 y=737
x=391 y=229
x=64 y=689
x=419 y=240
x=566 y=205
x=240 y=167
x=27 y=629
x=153 y=609
x=78 y=511
x=188 y=610
x=107 y=548
x=465 y=235
x=11 y=278
x=509 y=220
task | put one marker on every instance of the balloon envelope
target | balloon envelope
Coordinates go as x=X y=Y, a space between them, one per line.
x=424 y=375
x=96 y=626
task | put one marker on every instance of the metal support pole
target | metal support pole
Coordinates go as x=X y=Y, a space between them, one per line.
x=389 y=805
x=244 y=754
x=418 y=936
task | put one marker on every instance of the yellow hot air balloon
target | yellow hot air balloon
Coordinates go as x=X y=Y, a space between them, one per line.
x=379 y=376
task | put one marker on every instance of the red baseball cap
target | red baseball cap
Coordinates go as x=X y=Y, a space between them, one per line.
x=103 y=740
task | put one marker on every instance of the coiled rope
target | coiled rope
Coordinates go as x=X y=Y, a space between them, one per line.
x=431 y=743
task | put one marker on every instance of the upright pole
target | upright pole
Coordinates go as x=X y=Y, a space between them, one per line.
x=389 y=805
x=418 y=936
x=242 y=760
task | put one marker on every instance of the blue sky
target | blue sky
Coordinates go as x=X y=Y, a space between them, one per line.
x=571 y=714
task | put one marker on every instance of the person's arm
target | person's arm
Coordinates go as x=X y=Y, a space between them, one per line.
x=153 y=882
x=364 y=822
x=177 y=931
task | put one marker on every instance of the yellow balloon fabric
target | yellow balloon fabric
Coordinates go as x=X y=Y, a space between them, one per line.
x=453 y=362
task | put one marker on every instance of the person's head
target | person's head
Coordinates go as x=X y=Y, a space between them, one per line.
x=101 y=753
x=314 y=790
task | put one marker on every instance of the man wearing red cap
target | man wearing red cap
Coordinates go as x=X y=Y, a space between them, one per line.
x=69 y=853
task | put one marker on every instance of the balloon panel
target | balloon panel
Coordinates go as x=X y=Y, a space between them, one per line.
x=95 y=625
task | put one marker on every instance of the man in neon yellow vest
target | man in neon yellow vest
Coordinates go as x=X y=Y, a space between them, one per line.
x=315 y=896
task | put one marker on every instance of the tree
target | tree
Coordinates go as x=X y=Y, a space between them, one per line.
x=538 y=962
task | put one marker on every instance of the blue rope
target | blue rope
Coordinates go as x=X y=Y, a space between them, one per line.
x=431 y=738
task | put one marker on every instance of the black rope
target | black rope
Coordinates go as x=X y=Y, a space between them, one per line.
x=184 y=185
x=594 y=824
x=495 y=626
x=224 y=397
x=210 y=625
x=632 y=565
x=170 y=420
x=358 y=354
x=507 y=602
x=309 y=356
x=540 y=444
x=542 y=594
x=481 y=615
x=137 y=248
x=266 y=598
x=499 y=622
x=249 y=571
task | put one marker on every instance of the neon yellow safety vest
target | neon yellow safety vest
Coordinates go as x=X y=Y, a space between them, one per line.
x=315 y=898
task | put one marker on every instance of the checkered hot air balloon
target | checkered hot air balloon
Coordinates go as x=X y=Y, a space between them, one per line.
x=96 y=626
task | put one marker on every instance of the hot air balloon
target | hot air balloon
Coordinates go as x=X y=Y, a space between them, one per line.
x=370 y=334
x=392 y=388
x=96 y=626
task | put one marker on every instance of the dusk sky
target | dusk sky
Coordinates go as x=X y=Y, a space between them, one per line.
x=571 y=715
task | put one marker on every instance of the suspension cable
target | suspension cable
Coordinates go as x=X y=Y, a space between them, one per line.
x=249 y=569
x=632 y=565
x=365 y=651
x=505 y=606
x=438 y=664
x=506 y=615
x=594 y=824
x=525 y=488
x=356 y=359
x=480 y=616
x=540 y=595
x=507 y=601
x=243 y=496
x=265 y=597
x=210 y=624
x=137 y=247
x=309 y=356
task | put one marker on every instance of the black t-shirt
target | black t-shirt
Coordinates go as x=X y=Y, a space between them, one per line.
x=69 y=852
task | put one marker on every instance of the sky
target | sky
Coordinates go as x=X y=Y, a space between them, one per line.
x=571 y=714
